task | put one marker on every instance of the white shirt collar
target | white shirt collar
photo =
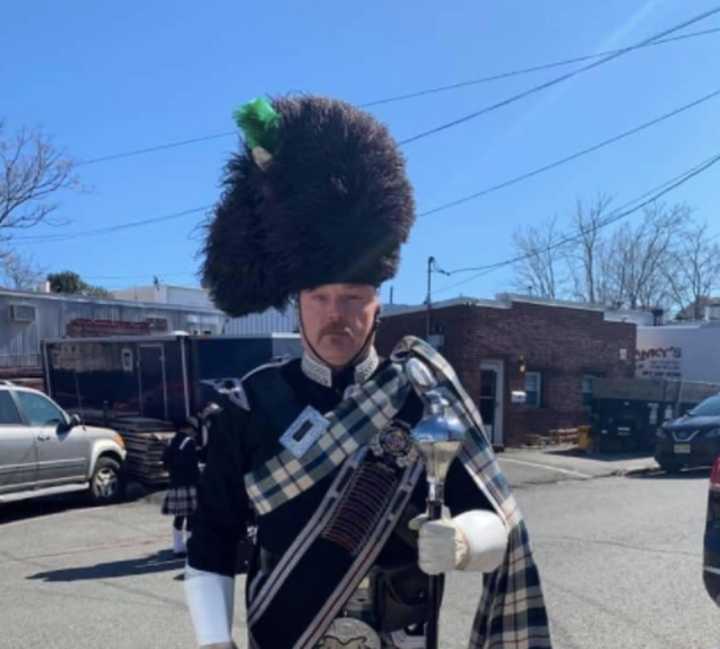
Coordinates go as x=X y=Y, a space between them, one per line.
x=322 y=374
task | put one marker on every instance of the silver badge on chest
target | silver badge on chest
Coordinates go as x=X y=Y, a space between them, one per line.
x=307 y=428
x=395 y=446
x=348 y=633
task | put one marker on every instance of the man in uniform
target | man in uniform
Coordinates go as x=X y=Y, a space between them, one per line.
x=317 y=452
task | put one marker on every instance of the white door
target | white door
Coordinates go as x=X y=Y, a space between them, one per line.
x=491 y=399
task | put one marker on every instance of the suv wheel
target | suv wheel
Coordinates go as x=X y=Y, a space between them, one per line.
x=105 y=486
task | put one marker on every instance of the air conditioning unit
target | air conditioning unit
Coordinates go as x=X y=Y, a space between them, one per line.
x=22 y=313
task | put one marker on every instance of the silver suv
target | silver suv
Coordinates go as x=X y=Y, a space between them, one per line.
x=44 y=451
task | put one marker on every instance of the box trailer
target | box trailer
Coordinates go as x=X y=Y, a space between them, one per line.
x=161 y=377
x=146 y=387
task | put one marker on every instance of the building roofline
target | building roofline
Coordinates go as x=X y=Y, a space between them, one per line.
x=570 y=304
x=161 y=285
x=506 y=300
x=165 y=337
x=689 y=324
x=444 y=304
x=86 y=299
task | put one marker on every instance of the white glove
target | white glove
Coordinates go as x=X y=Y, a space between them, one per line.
x=475 y=541
x=441 y=545
x=210 y=598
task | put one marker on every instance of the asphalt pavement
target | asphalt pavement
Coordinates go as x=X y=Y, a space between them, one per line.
x=618 y=543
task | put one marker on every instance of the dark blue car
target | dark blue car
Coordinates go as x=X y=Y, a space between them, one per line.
x=693 y=440
x=711 y=554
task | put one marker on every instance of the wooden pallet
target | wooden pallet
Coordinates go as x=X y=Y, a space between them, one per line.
x=145 y=440
x=554 y=436
x=564 y=436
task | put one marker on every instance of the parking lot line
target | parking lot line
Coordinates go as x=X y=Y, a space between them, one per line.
x=577 y=474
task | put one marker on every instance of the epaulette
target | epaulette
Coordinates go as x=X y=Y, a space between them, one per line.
x=230 y=388
x=233 y=389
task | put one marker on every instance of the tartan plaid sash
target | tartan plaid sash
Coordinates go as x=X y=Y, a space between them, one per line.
x=352 y=425
x=511 y=611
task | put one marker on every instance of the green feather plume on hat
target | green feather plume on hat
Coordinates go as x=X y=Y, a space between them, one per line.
x=260 y=124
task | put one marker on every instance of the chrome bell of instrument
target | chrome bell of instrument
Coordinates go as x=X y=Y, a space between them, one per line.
x=439 y=433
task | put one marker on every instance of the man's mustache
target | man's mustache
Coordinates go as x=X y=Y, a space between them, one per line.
x=335 y=330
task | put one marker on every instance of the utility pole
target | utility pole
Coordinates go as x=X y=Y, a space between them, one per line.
x=430 y=262
x=431 y=266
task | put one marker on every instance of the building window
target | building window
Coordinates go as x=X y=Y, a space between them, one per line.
x=533 y=389
x=22 y=313
x=587 y=389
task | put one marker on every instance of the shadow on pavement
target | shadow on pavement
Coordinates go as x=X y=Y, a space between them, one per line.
x=51 y=505
x=44 y=506
x=158 y=562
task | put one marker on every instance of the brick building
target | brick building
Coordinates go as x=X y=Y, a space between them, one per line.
x=551 y=350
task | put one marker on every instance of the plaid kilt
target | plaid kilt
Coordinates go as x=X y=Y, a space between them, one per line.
x=180 y=501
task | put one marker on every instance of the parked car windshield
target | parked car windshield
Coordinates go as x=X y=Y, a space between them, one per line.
x=708 y=408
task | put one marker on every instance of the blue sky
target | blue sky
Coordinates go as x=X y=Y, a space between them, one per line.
x=105 y=78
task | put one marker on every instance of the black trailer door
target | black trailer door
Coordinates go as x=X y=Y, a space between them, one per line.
x=153 y=386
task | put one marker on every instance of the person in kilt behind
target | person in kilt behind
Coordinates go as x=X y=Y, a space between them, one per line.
x=181 y=460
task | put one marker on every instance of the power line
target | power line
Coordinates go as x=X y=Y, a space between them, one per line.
x=614 y=217
x=186 y=274
x=413 y=95
x=555 y=81
x=617 y=215
x=534 y=68
x=654 y=193
x=151 y=149
x=574 y=156
x=615 y=54
x=512 y=181
x=110 y=229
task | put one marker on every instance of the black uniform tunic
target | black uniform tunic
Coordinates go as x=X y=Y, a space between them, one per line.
x=242 y=439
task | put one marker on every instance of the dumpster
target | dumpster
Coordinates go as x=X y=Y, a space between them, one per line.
x=626 y=412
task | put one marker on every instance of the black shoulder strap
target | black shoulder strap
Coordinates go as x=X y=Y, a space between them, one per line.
x=272 y=396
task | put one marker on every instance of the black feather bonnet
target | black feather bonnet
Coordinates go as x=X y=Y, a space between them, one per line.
x=318 y=195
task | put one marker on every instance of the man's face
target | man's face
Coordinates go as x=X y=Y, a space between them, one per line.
x=337 y=319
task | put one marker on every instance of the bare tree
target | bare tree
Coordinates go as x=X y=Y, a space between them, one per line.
x=19 y=273
x=641 y=255
x=32 y=171
x=664 y=260
x=586 y=255
x=694 y=270
x=540 y=269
